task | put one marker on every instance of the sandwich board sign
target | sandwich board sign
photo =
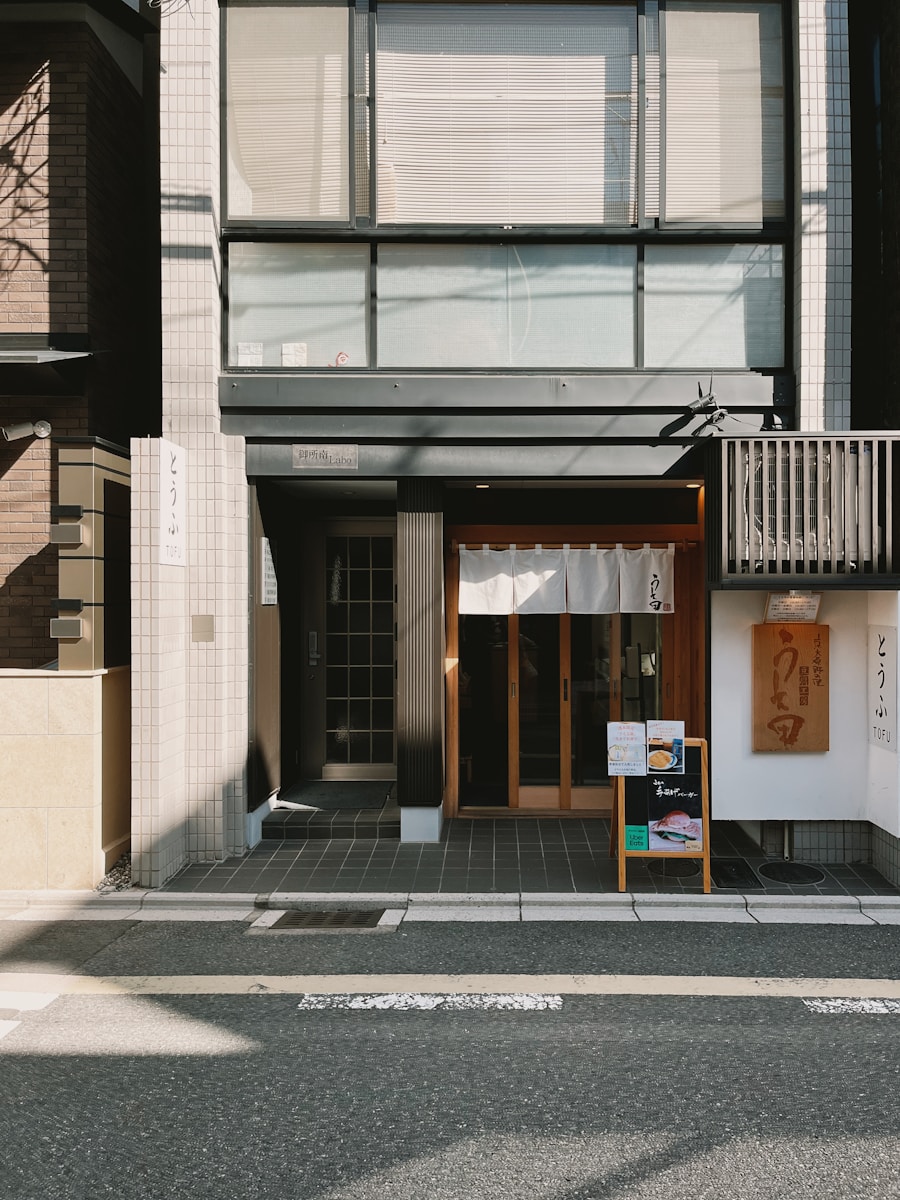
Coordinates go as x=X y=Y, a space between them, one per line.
x=664 y=814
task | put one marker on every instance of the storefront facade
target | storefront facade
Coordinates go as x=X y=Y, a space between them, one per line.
x=464 y=269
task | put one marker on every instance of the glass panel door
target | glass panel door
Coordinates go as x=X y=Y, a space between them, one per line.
x=483 y=711
x=595 y=699
x=359 y=656
x=538 y=694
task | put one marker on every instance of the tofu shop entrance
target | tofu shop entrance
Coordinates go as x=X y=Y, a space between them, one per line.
x=550 y=635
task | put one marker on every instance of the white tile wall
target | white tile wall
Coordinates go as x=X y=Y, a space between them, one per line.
x=823 y=208
x=191 y=708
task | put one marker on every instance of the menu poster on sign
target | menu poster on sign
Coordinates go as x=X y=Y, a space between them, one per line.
x=665 y=747
x=626 y=743
x=663 y=813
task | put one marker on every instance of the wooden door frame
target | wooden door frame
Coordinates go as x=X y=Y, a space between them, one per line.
x=683 y=632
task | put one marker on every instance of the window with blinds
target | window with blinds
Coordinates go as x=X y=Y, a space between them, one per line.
x=723 y=104
x=492 y=114
x=287 y=102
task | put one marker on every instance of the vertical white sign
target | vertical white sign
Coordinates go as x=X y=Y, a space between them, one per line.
x=172 y=504
x=269 y=581
x=882 y=687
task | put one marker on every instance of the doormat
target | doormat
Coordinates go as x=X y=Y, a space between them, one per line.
x=331 y=795
x=674 y=868
x=733 y=873
x=791 y=872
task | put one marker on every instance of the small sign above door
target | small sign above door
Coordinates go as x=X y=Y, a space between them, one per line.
x=325 y=456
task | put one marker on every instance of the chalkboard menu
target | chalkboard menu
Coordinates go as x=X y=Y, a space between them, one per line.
x=664 y=815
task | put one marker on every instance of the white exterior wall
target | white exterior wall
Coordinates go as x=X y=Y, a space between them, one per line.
x=825 y=786
x=191 y=707
x=883 y=774
x=823 y=215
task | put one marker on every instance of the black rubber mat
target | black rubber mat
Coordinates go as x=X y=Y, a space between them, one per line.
x=791 y=872
x=674 y=868
x=733 y=873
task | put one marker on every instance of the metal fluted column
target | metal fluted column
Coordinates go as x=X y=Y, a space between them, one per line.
x=420 y=642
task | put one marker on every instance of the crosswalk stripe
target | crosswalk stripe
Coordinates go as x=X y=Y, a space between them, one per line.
x=429 y=1002
x=846 y=1004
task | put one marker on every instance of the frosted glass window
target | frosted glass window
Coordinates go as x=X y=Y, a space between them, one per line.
x=288 y=127
x=499 y=114
x=506 y=306
x=723 y=99
x=298 y=306
x=714 y=306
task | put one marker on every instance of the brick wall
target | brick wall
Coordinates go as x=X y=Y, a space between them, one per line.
x=71 y=163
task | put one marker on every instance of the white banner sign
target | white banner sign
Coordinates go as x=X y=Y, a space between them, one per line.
x=172 y=479
x=882 y=687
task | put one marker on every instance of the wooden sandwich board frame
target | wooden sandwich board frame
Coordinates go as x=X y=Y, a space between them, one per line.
x=617 y=824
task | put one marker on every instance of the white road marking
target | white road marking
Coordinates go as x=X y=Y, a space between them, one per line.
x=427 y=1002
x=7 y=1027
x=845 y=1004
x=26 y=1001
x=472 y=984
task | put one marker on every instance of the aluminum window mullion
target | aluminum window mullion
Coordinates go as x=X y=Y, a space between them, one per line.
x=373 y=112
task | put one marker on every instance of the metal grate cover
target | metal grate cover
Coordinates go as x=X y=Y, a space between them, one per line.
x=329 y=920
x=791 y=872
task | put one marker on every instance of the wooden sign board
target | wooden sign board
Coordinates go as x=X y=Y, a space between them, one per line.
x=662 y=815
x=790 y=687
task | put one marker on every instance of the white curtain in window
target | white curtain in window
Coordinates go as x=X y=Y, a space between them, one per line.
x=647 y=580
x=485 y=581
x=494 y=113
x=716 y=155
x=539 y=580
x=592 y=579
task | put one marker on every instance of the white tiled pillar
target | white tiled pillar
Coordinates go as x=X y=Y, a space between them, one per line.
x=204 y=656
x=823 y=214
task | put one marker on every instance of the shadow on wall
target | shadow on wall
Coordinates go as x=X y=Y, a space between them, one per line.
x=26 y=607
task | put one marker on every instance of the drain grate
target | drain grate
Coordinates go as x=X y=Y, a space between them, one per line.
x=329 y=920
x=791 y=872
x=733 y=873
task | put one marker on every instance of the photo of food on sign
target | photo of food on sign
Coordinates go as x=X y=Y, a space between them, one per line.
x=665 y=746
x=675 y=812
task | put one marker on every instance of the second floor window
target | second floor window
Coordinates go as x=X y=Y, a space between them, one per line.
x=502 y=115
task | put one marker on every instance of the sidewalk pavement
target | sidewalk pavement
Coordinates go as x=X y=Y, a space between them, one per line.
x=136 y=904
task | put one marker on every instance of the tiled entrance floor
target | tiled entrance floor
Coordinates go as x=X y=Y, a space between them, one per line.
x=519 y=855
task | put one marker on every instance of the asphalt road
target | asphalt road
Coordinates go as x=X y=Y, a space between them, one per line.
x=612 y=1097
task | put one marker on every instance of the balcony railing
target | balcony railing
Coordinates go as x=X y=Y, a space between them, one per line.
x=808 y=505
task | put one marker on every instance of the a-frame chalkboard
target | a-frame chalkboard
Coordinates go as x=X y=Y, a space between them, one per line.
x=659 y=815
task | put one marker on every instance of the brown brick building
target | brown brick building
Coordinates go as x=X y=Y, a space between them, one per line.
x=77 y=262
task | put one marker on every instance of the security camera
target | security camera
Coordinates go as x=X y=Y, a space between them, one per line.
x=25 y=429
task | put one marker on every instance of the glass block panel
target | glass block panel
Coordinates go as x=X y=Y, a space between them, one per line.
x=382 y=747
x=293 y=305
x=383 y=681
x=337 y=746
x=382 y=649
x=360 y=681
x=383 y=552
x=336 y=650
x=383 y=585
x=360 y=747
x=359 y=552
x=383 y=618
x=360 y=617
x=336 y=618
x=359 y=585
x=360 y=650
x=336 y=681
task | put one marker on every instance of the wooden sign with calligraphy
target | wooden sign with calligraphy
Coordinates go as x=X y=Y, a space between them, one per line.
x=790 y=687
